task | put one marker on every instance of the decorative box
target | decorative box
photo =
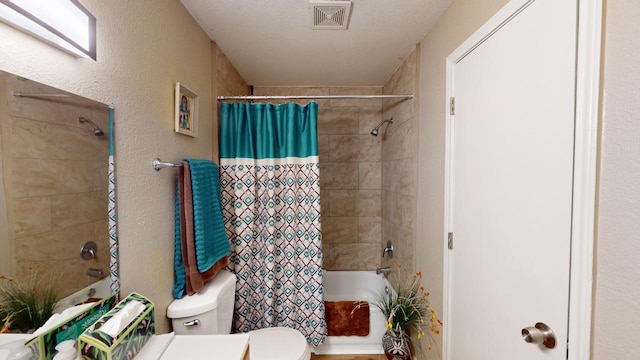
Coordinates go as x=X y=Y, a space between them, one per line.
x=43 y=346
x=122 y=332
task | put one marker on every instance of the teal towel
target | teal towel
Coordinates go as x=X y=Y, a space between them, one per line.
x=180 y=286
x=211 y=239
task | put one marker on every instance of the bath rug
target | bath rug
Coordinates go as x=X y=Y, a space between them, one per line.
x=347 y=318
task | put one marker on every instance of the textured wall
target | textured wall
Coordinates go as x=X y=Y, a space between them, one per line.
x=617 y=302
x=55 y=171
x=226 y=81
x=350 y=174
x=144 y=48
x=461 y=20
x=399 y=164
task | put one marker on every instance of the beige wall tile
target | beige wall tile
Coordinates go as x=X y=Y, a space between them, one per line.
x=354 y=148
x=351 y=256
x=368 y=118
x=71 y=143
x=323 y=148
x=325 y=202
x=338 y=120
x=399 y=165
x=404 y=79
x=370 y=175
x=355 y=203
x=58 y=253
x=370 y=230
x=32 y=215
x=400 y=111
x=295 y=90
x=400 y=176
x=350 y=160
x=229 y=75
x=399 y=209
x=403 y=245
x=79 y=208
x=339 y=230
x=400 y=142
x=339 y=176
x=58 y=244
x=33 y=177
x=356 y=90
x=28 y=138
x=66 y=276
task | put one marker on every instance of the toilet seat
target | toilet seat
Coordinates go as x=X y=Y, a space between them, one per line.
x=278 y=343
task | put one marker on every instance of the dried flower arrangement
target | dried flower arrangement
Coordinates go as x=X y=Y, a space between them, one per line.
x=25 y=306
x=408 y=313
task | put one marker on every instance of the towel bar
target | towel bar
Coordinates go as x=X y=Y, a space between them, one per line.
x=158 y=164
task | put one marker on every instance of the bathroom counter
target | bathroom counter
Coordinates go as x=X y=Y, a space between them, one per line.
x=7 y=338
x=171 y=347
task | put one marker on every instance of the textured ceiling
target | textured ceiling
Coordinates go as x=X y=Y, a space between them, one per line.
x=272 y=43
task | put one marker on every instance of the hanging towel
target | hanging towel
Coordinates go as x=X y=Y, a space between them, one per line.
x=211 y=242
x=189 y=279
x=195 y=280
x=180 y=285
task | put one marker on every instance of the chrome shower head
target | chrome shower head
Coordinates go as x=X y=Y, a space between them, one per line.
x=374 y=132
x=96 y=130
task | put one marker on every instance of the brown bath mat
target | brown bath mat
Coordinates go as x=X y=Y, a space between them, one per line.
x=343 y=320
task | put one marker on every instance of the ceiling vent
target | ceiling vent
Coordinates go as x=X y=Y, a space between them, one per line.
x=331 y=15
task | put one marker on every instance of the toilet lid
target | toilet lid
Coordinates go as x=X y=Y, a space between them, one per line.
x=278 y=343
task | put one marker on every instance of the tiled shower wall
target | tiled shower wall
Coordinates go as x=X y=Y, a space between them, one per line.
x=55 y=183
x=226 y=81
x=400 y=164
x=368 y=184
x=350 y=174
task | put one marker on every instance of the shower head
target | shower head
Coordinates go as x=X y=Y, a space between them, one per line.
x=374 y=132
x=96 y=130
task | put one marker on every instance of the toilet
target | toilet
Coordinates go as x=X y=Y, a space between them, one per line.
x=210 y=312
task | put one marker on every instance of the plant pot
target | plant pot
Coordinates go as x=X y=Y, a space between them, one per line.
x=396 y=345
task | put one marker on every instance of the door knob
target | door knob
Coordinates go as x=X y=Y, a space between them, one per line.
x=540 y=334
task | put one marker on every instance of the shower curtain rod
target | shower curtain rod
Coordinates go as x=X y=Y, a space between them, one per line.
x=19 y=94
x=312 y=97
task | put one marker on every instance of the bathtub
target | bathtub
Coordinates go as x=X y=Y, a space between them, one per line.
x=357 y=286
x=100 y=289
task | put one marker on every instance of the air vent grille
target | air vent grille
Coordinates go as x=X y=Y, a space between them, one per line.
x=331 y=15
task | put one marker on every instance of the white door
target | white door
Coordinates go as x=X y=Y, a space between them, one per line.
x=511 y=148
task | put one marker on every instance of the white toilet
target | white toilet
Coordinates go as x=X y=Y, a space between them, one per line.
x=210 y=312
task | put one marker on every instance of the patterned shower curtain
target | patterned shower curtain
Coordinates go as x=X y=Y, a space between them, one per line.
x=270 y=187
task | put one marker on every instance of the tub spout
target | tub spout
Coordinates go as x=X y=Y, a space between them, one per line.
x=95 y=273
x=384 y=270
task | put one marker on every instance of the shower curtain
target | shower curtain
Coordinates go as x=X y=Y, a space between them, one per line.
x=270 y=189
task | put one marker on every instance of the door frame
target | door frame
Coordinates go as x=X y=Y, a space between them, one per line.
x=584 y=172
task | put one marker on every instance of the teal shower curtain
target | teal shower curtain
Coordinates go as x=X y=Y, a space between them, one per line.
x=270 y=185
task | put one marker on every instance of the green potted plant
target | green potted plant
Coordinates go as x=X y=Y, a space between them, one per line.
x=408 y=313
x=25 y=306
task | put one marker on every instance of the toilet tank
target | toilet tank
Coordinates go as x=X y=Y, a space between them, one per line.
x=208 y=312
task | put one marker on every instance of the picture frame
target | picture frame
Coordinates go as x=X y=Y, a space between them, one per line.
x=186 y=111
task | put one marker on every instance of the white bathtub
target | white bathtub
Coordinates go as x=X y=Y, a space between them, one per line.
x=358 y=286
x=100 y=289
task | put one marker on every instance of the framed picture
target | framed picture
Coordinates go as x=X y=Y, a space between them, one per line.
x=186 y=111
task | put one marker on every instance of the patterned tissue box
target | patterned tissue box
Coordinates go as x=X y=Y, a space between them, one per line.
x=95 y=344
x=43 y=346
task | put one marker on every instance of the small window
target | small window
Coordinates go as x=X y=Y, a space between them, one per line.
x=64 y=23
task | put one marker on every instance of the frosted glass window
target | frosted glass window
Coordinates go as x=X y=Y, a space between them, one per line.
x=64 y=23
